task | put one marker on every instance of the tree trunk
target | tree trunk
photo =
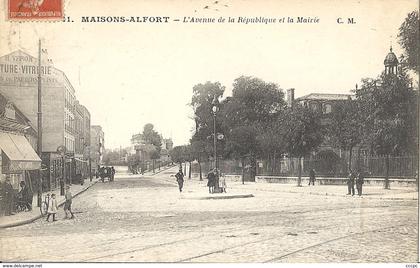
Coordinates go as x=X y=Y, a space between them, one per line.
x=387 y=172
x=274 y=164
x=299 y=182
x=350 y=156
x=199 y=168
x=185 y=168
x=189 y=172
x=153 y=165
x=253 y=171
x=243 y=170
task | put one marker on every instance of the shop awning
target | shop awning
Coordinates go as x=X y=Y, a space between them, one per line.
x=20 y=153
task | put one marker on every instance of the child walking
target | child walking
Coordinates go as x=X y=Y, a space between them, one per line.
x=67 y=205
x=52 y=207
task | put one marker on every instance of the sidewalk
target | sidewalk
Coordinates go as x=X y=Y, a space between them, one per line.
x=370 y=192
x=30 y=216
x=258 y=188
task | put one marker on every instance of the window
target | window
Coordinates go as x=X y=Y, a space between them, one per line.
x=327 y=108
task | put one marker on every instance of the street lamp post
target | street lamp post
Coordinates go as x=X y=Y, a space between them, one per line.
x=215 y=109
x=62 y=151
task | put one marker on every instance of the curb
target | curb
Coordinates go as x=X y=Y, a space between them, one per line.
x=379 y=197
x=220 y=197
x=23 y=222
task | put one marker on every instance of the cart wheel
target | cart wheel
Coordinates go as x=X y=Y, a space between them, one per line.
x=43 y=208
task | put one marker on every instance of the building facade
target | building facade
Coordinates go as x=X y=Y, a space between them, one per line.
x=18 y=141
x=19 y=83
x=97 y=146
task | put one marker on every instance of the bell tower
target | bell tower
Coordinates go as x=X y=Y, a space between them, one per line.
x=391 y=62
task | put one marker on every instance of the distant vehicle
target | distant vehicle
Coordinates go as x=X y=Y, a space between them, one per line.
x=105 y=172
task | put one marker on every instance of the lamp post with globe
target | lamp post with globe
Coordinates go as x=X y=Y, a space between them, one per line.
x=215 y=109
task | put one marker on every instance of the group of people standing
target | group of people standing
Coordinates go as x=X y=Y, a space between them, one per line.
x=358 y=179
x=213 y=179
x=352 y=180
x=12 y=200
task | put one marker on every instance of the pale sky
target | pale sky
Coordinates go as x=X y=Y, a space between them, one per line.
x=130 y=74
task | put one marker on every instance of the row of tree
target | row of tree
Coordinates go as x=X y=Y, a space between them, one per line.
x=256 y=122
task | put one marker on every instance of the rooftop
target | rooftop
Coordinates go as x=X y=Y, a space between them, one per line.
x=326 y=96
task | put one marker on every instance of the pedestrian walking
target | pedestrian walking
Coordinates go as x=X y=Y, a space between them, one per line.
x=52 y=207
x=350 y=183
x=312 y=177
x=112 y=173
x=9 y=195
x=360 y=180
x=211 y=179
x=67 y=204
x=180 y=179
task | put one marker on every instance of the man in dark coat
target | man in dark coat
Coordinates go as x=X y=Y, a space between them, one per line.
x=180 y=179
x=359 y=183
x=9 y=195
x=312 y=177
x=26 y=195
x=350 y=183
x=112 y=173
x=211 y=177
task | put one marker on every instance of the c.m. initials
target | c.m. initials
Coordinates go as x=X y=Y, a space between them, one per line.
x=349 y=21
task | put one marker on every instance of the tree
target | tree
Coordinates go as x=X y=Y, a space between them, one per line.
x=202 y=104
x=189 y=157
x=303 y=133
x=112 y=158
x=390 y=126
x=344 y=128
x=178 y=155
x=255 y=104
x=408 y=38
x=152 y=137
x=199 y=152
x=271 y=144
x=242 y=143
x=154 y=155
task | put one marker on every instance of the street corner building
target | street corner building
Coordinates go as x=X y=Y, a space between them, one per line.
x=65 y=122
x=18 y=159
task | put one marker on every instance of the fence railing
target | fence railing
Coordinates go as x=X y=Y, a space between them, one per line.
x=373 y=166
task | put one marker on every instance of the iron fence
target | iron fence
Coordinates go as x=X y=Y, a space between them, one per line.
x=404 y=166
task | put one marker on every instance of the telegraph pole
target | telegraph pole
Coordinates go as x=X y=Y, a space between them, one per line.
x=39 y=144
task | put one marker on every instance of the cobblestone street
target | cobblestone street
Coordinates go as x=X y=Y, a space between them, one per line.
x=146 y=219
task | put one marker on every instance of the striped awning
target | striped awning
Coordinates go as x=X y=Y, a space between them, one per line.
x=20 y=153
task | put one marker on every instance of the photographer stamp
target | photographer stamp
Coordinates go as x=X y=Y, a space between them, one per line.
x=35 y=10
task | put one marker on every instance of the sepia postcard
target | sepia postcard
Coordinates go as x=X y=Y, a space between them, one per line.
x=209 y=131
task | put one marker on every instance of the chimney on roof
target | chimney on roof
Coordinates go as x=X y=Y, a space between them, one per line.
x=290 y=97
